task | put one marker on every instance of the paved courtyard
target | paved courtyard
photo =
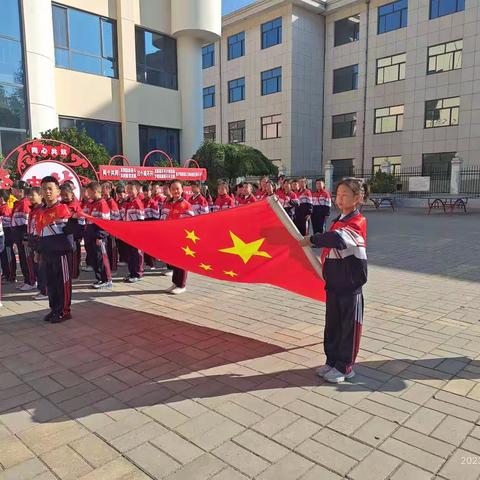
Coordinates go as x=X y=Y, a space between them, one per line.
x=219 y=383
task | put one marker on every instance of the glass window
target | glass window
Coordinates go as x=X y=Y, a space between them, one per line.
x=108 y=134
x=392 y=16
x=11 y=139
x=84 y=42
x=442 y=113
x=236 y=90
x=344 y=126
x=440 y=8
x=342 y=168
x=437 y=162
x=11 y=61
x=209 y=97
x=12 y=107
x=389 y=119
x=208 y=56
x=445 y=57
x=236 y=45
x=395 y=161
x=156 y=59
x=236 y=132
x=272 y=33
x=345 y=79
x=391 y=69
x=272 y=81
x=347 y=30
x=158 y=138
x=209 y=133
x=271 y=127
x=10 y=19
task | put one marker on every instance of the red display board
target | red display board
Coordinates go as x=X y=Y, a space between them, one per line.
x=125 y=172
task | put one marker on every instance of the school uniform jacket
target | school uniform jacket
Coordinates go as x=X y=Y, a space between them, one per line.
x=245 y=200
x=305 y=206
x=33 y=219
x=6 y=219
x=97 y=209
x=78 y=224
x=288 y=201
x=20 y=212
x=259 y=195
x=344 y=256
x=114 y=209
x=322 y=202
x=175 y=209
x=150 y=206
x=223 y=202
x=199 y=204
x=134 y=210
x=52 y=228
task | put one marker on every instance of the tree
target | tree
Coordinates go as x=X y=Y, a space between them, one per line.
x=96 y=153
x=383 y=183
x=231 y=161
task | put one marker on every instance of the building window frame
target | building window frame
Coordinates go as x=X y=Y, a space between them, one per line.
x=455 y=53
x=381 y=117
x=354 y=78
x=271 y=33
x=209 y=97
x=209 y=133
x=270 y=123
x=236 y=46
x=397 y=10
x=428 y=169
x=236 y=90
x=271 y=79
x=350 y=125
x=355 y=37
x=236 y=131
x=449 y=8
x=396 y=65
x=444 y=110
x=396 y=165
x=208 y=56
x=175 y=154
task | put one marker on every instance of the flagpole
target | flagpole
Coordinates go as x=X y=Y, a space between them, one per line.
x=292 y=229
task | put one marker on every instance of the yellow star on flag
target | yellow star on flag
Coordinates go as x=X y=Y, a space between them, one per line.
x=246 y=250
x=191 y=236
x=188 y=252
x=231 y=274
x=207 y=268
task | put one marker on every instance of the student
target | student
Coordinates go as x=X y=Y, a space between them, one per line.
x=175 y=208
x=85 y=204
x=158 y=195
x=280 y=181
x=121 y=198
x=53 y=246
x=20 y=212
x=198 y=202
x=270 y=189
x=345 y=273
x=246 y=197
x=134 y=212
x=223 y=200
x=8 y=259
x=96 y=238
x=288 y=199
x=305 y=207
x=112 y=249
x=208 y=196
x=322 y=202
x=260 y=193
x=36 y=202
x=152 y=212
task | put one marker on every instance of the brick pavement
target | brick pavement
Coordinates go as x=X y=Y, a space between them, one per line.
x=219 y=383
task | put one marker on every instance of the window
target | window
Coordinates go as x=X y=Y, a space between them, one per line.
x=272 y=81
x=236 y=90
x=347 y=30
x=236 y=45
x=392 y=16
x=345 y=79
x=342 y=168
x=209 y=133
x=157 y=138
x=209 y=97
x=442 y=113
x=391 y=69
x=156 y=59
x=389 y=119
x=109 y=134
x=437 y=162
x=394 y=161
x=13 y=109
x=344 y=126
x=208 y=56
x=84 y=42
x=272 y=33
x=236 y=132
x=445 y=57
x=440 y=8
x=271 y=127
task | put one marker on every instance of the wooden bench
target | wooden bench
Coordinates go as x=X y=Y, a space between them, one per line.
x=447 y=202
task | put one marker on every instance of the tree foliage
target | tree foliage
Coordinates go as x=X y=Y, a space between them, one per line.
x=383 y=183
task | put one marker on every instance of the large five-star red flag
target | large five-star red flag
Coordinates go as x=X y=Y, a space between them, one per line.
x=256 y=243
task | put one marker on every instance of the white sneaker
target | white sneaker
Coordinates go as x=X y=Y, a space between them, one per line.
x=87 y=268
x=122 y=264
x=26 y=287
x=19 y=286
x=178 y=291
x=40 y=296
x=167 y=273
x=99 y=285
x=323 y=370
x=335 y=376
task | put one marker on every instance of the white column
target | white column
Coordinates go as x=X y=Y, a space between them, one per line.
x=455 y=177
x=40 y=65
x=329 y=176
x=190 y=84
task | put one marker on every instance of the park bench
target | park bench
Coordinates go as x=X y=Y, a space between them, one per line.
x=380 y=200
x=449 y=203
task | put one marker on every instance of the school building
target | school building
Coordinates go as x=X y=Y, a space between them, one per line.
x=128 y=71
x=358 y=83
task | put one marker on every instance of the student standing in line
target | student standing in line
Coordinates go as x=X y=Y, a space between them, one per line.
x=7 y=256
x=322 y=203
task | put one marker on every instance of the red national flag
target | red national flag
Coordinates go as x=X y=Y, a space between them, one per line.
x=256 y=243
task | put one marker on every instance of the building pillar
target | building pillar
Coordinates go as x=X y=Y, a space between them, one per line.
x=455 y=177
x=40 y=65
x=329 y=176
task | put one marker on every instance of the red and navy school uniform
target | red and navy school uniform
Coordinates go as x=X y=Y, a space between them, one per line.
x=345 y=272
x=98 y=253
x=289 y=201
x=152 y=212
x=199 y=204
x=20 y=213
x=247 y=199
x=134 y=212
x=122 y=247
x=7 y=256
x=32 y=240
x=223 y=202
x=173 y=210
x=304 y=210
x=55 y=242
x=160 y=199
x=78 y=227
x=322 y=203
x=259 y=195
x=112 y=242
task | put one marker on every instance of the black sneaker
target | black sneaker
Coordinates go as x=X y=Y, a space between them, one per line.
x=48 y=317
x=58 y=318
